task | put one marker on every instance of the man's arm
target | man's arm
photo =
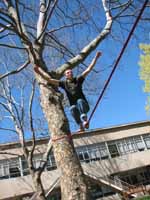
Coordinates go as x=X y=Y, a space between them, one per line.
x=90 y=67
x=46 y=76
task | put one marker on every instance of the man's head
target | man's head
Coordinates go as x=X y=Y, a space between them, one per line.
x=69 y=74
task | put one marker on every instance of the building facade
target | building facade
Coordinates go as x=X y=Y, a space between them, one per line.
x=113 y=159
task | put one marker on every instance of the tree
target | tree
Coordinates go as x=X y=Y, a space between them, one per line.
x=36 y=33
x=145 y=72
x=14 y=110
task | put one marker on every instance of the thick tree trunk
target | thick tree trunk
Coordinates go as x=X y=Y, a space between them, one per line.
x=73 y=184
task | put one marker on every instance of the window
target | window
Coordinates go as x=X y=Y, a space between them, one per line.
x=55 y=197
x=96 y=191
x=122 y=147
x=131 y=147
x=37 y=160
x=139 y=143
x=80 y=155
x=104 y=154
x=25 y=167
x=4 y=169
x=51 y=163
x=94 y=153
x=147 y=141
x=14 y=172
x=134 y=179
x=83 y=154
x=113 y=149
x=14 y=168
x=86 y=156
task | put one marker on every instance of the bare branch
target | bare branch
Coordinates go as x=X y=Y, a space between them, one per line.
x=18 y=17
x=8 y=129
x=6 y=20
x=125 y=7
x=12 y=47
x=91 y=46
x=5 y=107
x=25 y=6
x=63 y=48
x=22 y=109
x=5 y=28
x=63 y=27
x=122 y=5
x=20 y=28
x=42 y=18
x=16 y=71
x=45 y=156
x=6 y=35
x=41 y=32
x=30 y=156
x=31 y=118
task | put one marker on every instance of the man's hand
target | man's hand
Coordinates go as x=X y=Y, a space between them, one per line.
x=98 y=54
x=36 y=68
x=90 y=67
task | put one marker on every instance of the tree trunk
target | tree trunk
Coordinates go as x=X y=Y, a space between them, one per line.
x=39 y=194
x=73 y=184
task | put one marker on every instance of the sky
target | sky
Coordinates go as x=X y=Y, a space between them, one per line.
x=124 y=100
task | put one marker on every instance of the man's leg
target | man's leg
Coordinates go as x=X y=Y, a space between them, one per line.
x=83 y=108
x=76 y=115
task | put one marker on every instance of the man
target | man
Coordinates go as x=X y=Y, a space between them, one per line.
x=79 y=106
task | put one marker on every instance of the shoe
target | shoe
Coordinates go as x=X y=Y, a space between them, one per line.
x=81 y=129
x=83 y=117
x=86 y=124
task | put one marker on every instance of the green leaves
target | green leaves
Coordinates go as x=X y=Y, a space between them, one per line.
x=145 y=72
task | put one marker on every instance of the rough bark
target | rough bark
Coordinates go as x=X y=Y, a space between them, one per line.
x=71 y=172
x=39 y=194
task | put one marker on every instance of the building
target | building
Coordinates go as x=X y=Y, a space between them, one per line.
x=116 y=161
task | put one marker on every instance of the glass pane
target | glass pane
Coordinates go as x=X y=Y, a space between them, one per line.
x=139 y=143
x=147 y=141
x=113 y=150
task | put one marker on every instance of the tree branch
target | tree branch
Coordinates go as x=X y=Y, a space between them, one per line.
x=20 y=28
x=63 y=27
x=7 y=129
x=45 y=156
x=91 y=46
x=125 y=7
x=5 y=28
x=31 y=118
x=18 y=17
x=41 y=19
x=12 y=47
x=42 y=24
x=15 y=71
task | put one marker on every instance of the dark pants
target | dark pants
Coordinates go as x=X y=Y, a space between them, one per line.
x=79 y=111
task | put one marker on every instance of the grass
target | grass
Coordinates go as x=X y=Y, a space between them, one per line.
x=144 y=198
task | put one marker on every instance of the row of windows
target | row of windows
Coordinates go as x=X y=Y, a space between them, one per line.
x=18 y=166
x=140 y=176
x=113 y=149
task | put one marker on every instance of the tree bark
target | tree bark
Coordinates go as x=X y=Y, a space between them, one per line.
x=39 y=194
x=73 y=185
